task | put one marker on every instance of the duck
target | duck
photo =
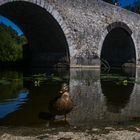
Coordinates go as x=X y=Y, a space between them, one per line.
x=62 y=104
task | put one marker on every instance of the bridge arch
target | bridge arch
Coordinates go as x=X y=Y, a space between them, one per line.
x=49 y=37
x=118 y=47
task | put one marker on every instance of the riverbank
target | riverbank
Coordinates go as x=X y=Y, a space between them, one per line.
x=73 y=133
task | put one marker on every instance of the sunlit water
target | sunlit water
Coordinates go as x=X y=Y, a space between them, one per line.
x=99 y=99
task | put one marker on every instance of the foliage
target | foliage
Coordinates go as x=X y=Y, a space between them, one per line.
x=10 y=44
x=10 y=85
x=43 y=78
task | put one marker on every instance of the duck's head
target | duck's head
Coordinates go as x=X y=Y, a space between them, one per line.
x=64 y=88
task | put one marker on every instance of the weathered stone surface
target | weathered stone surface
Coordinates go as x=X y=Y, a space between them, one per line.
x=6 y=136
x=86 y=23
x=112 y=135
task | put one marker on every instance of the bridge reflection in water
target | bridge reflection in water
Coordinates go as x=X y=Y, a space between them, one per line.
x=103 y=99
x=117 y=89
x=99 y=99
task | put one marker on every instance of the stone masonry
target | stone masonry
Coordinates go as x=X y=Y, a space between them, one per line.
x=85 y=25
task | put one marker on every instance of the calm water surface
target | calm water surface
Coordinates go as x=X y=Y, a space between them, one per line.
x=99 y=98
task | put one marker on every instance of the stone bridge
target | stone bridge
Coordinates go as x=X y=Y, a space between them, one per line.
x=75 y=33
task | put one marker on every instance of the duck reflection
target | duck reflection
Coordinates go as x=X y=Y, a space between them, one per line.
x=118 y=88
x=60 y=105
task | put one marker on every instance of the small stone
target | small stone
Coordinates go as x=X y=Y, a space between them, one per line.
x=95 y=129
x=53 y=129
x=109 y=128
x=138 y=129
x=87 y=130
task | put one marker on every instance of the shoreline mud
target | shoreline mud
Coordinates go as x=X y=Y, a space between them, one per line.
x=71 y=133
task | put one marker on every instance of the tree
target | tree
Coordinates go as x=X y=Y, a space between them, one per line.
x=10 y=44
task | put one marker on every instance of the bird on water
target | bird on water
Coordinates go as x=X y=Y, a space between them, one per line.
x=62 y=104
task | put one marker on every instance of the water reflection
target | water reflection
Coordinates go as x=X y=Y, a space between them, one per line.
x=117 y=87
x=98 y=98
x=27 y=104
x=11 y=105
x=103 y=98
x=11 y=97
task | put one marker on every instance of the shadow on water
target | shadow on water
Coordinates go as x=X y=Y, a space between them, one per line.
x=25 y=95
x=117 y=86
x=88 y=97
x=104 y=99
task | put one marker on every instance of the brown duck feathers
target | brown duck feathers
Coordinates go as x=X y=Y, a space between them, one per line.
x=62 y=104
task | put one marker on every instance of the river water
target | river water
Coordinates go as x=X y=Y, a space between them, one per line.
x=100 y=98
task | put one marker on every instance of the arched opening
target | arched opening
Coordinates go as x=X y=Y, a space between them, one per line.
x=47 y=45
x=118 y=48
